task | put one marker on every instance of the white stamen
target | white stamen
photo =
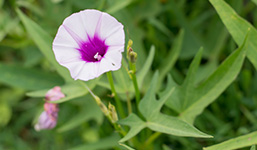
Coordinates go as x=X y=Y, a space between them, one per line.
x=97 y=56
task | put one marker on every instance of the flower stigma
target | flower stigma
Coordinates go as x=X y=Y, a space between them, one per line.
x=97 y=56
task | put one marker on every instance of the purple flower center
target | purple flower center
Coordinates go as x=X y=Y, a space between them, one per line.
x=93 y=50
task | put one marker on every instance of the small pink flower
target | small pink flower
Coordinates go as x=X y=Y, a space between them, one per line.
x=48 y=118
x=54 y=94
x=45 y=121
x=51 y=109
x=89 y=43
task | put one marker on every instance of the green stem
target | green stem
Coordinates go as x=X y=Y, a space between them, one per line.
x=117 y=100
x=129 y=103
x=152 y=138
x=117 y=127
x=134 y=79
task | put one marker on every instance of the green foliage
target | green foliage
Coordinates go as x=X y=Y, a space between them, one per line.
x=104 y=143
x=253 y=147
x=212 y=89
x=190 y=100
x=118 y=6
x=172 y=57
x=89 y=112
x=44 y=42
x=126 y=146
x=156 y=121
x=238 y=28
x=239 y=142
x=26 y=78
x=6 y=112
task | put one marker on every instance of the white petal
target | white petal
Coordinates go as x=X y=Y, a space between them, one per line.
x=109 y=27
x=88 y=71
x=107 y=65
x=75 y=68
x=116 y=39
x=91 y=20
x=114 y=57
x=63 y=38
x=111 y=31
x=76 y=25
x=65 y=54
x=110 y=62
x=119 y=48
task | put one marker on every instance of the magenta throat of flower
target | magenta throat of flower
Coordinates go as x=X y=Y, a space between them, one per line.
x=93 y=50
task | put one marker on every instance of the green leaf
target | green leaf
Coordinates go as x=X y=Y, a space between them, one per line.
x=90 y=111
x=1 y=3
x=236 y=143
x=123 y=82
x=11 y=96
x=71 y=91
x=32 y=56
x=136 y=125
x=253 y=147
x=146 y=67
x=26 y=78
x=255 y=2
x=118 y=6
x=182 y=94
x=7 y=24
x=165 y=147
x=28 y=5
x=105 y=143
x=171 y=58
x=6 y=114
x=161 y=26
x=238 y=28
x=192 y=41
x=126 y=146
x=156 y=121
x=189 y=100
x=44 y=42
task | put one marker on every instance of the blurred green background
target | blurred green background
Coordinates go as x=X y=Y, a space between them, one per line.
x=23 y=68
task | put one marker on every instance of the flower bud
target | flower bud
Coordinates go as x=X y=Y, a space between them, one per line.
x=54 y=94
x=133 y=57
x=46 y=121
x=113 y=113
x=130 y=43
x=101 y=105
x=48 y=118
x=51 y=109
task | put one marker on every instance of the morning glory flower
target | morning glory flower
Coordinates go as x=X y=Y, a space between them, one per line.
x=48 y=118
x=89 y=43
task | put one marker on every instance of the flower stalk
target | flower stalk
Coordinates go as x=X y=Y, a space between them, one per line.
x=151 y=139
x=110 y=113
x=132 y=57
x=114 y=93
x=129 y=103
